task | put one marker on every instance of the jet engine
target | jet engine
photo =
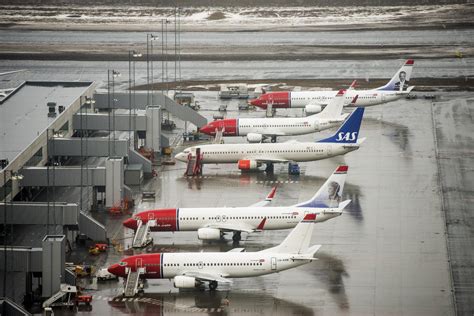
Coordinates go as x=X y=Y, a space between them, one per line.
x=185 y=282
x=313 y=108
x=254 y=138
x=209 y=234
x=248 y=164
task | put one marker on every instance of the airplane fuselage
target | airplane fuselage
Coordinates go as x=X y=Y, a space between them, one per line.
x=301 y=99
x=227 y=264
x=271 y=126
x=192 y=219
x=289 y=151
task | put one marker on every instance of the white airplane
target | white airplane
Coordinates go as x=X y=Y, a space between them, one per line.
x=190 y=270
x=251 y=156
x=212 y=223
x=314 y=101
x=258 y=129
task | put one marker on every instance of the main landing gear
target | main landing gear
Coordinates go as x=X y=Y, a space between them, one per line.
x=269 y=167
x=213 y=285
x=274 y=139
x=236 y=237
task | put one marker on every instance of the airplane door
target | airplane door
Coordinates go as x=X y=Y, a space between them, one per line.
x=200 y=265
x=138 y=263
x=151 y=216
x=218 y=218
x=224 y=218
x=274 y=263
x=382 y=96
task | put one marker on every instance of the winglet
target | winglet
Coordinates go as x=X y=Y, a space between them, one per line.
x=262 y=223
x=271 y=195
x=340 y=92
x=353 y=84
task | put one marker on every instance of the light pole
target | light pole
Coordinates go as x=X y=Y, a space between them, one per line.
x=132 y=54
x=111 y=73
x=90 y=105
x=149 y=62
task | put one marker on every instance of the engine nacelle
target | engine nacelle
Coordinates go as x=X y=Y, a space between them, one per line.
x=185 y=282
x=313 y=108
x=248 y=164
x=254 y=138
x=209 y=234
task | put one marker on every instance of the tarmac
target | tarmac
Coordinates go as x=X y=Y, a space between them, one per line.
x=388 y=253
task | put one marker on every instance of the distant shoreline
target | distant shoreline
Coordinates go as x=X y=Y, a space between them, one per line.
x=421 y=84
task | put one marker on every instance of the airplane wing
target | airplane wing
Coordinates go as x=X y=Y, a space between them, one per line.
x=234 y=227
x=267 y=200
x=270 y=159
x=237 y=250
x=274 y=134
x=207 y=277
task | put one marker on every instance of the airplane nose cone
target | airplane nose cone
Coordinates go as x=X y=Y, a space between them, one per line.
x=130 y=223
x=115 y=269
x=206 y=129
x=257 y=103
x=181 y=157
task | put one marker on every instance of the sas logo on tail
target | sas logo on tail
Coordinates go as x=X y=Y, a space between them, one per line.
x=346 y=136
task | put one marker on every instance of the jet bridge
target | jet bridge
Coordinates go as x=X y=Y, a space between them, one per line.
x=33 y=213
x=140 y=102
x=88 y=147
x=100 y=121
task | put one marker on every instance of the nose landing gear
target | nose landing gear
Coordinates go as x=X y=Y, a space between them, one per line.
x=213 y=285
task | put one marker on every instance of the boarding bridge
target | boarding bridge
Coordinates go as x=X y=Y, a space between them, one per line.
x=133 y=280
x=88 y=147
x=40 y=213
x=100 y=121
x=66 y=289
x=142 y=235
x=139 y=101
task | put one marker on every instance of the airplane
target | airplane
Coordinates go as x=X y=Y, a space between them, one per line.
x=192 y=269
x=258 y=129
x=212 y=223
x=251 y=156
x=315 y=101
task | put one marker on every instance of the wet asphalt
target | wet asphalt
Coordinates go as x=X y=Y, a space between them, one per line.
x=387 y=254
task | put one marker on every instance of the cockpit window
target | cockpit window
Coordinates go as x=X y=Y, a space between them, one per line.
x=122 y=263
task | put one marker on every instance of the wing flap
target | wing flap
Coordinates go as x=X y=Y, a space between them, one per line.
x=207 y=277
x=232 y=227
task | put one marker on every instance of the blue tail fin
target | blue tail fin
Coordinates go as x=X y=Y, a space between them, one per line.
x=349 y=131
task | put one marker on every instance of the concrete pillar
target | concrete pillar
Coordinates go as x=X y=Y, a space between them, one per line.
x=153 y=128
x=53 y=263
x=113 y=181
